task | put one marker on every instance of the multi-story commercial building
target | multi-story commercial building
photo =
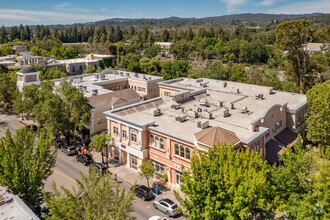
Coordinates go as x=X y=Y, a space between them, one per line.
x=201 y=113
x=113 y=89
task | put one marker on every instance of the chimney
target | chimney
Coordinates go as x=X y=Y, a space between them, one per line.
x=210 y=115
x=245 y=109
x=182 y=109
x=224 y=84
x=195 y=114
x=232 y=106
x=220 y=103
x=237 y=91
x=226 y=113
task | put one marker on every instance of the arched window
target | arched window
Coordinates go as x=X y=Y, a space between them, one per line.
x=187 y=153
x=152 y=140
x=176 y=149
x=156 y=142
x=181 y=151
x=161 y=146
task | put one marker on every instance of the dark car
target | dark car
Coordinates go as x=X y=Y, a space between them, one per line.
x=32 y=127
x=143 y=192
x=167 y=206
x=85 y=159
x=69 y=150
x=101 y=168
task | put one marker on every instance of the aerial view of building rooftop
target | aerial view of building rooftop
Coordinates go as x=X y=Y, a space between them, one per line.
x=203 y=112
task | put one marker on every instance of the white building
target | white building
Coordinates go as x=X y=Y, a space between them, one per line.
x=26 y=76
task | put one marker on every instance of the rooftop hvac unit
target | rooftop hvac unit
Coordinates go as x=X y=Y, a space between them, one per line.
x=181 y=118
x=96 y=75
x=143 y=76
x=221 y=103
x=195 y=114
x=81 y=88
x=202 y=125
x=226 y=113
x=232 y=106
x=121 y=73
x=157 y=112
x=102 y=76
x=94 y=92
x=127 y=74
x=182 y=109
x=199 y=109
x=199 y=80
x=116 y=72
x=176 y=106
x=136 y=75
x=149 y=78
x=245 y=110
x=224 y=84
x=210 y=115
x=237 y=91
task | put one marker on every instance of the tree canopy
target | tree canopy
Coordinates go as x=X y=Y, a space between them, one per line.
x=318 y=114
x=147 y=170
x=224 y=184
x=25 y=163
x=96 y=197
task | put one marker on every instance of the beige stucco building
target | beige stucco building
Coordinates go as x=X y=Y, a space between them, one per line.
x=28 y=75
x=200 y=113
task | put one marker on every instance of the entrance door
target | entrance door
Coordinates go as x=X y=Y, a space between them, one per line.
x=178 y=177
x=123 y=157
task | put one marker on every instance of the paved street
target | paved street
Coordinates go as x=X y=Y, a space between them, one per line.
x=67 y=170
x=10 y=122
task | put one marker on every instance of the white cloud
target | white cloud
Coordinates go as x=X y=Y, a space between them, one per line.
x=231 y=4
x=267 y=2
x=68 y=6
x=322 y=6
x=47 y=17
x=103 y=9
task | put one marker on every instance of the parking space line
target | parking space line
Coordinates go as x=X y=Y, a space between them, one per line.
x=62 y=174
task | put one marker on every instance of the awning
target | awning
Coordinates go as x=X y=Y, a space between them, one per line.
x=287 y=137
x=273 y=148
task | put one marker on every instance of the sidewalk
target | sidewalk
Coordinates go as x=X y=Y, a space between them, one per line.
x=130 y=176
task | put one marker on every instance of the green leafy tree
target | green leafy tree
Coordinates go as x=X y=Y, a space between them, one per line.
x=147 y=170
x=8 y=91
x=65 y=110
x=5 y=50
x=291 y=36
x=89 y=69
x=238 y=73
x=301 y=185
x=96 y=197
x=318 y=115
x=25 y=163
x=225 y=184
x=99 y=142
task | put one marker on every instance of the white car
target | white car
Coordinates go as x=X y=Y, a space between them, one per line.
x=167 y=206
x=157 y=218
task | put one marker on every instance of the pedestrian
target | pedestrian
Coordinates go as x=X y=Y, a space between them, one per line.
x=116 y=177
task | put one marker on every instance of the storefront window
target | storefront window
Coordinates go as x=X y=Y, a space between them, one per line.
x=159 y=168
x=116 y=153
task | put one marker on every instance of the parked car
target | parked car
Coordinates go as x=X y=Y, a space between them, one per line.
x=166 y=205
x=69 y=150
x=84 y=158
x=101 y=168
x=143 y=192
x=157 y=218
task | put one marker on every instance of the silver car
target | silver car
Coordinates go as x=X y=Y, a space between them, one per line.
x=166 y=205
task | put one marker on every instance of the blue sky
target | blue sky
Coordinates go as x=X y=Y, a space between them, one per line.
x=17 y=12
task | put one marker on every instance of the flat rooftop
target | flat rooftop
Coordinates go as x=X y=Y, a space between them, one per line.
x=95 y=81
x=237 y=121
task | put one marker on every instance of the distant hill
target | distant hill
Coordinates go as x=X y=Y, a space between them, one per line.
x=175 y=22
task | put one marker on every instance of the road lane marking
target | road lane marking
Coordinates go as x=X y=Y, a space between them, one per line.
x=62 y=174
